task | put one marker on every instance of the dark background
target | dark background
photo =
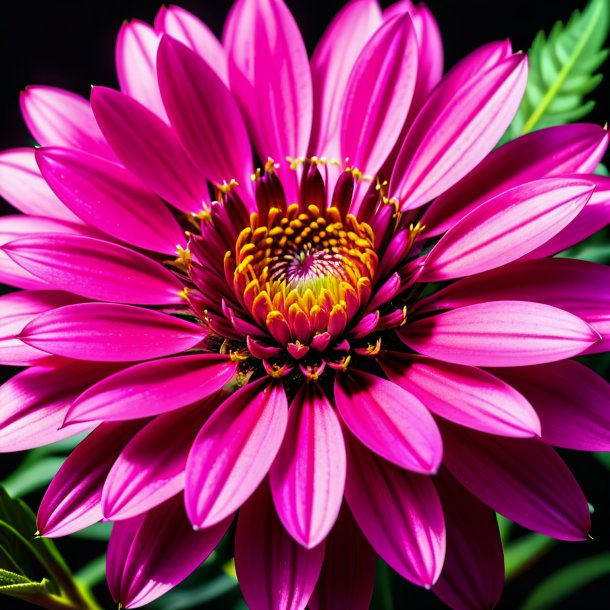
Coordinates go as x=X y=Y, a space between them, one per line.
x=70 y=44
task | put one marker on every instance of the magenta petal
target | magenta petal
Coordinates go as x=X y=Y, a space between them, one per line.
x=202 y=110
x=23 y=187
x=389 y=420
x=234 y=451
x=72 y=500
x=272 y=569
x=108 y=197
x=110 y=333
x=151 y=468
x=331 y=65
x=500 y=333
x=566 y=149
x=522 y=479
x=95 y=269
x=348 y=573
x=378 y=95
x=461 y=123
x=274 y=92
x=136 y=58
x=463 y=394
x=151 y=388
x=149 y=149
x=151 y=554
x=573 y=403
x=35 y=402
x=56 y=117
x=506 y=228
x=398 y=511
x=592 y=218
x=18 y=226
x=16 y=310
x=573 y=285
x=473 y=573
x=308 y=475
x=191 y=31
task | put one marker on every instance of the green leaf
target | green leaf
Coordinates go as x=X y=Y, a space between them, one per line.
x=562 y=70
x=29 y=477
x=93 y=573
x=566 y=582
x=522 y=553
x=21 y=586
x=97 y=531
x=192 y=597
x=604 y=458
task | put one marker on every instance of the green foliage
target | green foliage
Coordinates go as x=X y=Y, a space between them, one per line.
x=563 y=70
x=31 y=567
x=566 y=582
x=521 y=554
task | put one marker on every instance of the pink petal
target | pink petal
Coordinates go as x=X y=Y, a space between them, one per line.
x=136 y=58
x=460 y=124
x=378 y=95
x=506 y=228
x=234 y=451
x=430 y=59
x=150 y=554
x=388 y=420
x=275 y=91
x=473 y=573
x=151 y=388
x=463 y=394
x=110 y=333
x=35 y=403
x=573 y=285
x=16 y=310
x=331 y=66
x=308 y=475
x=24 y=188
x=500 y=333
x=14 y=227
x=149 y=149
x=272 y=569
x=56 y=117
x=151 y=468
x=108 y=197
x=95 y=269
x=348 y=573
x=573 y=403
x=191 y=31
x=72 y=500
x=202 y=110
x=564 y=149
x=593 y=217
x=522 y=479
x=399 y=513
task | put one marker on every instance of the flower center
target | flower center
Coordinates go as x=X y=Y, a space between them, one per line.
x=303 y=272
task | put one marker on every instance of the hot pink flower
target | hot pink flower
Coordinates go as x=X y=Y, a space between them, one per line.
x=292 y=367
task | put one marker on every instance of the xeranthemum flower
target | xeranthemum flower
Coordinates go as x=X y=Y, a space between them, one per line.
x=361 y=348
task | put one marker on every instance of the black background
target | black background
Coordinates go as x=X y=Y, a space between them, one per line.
x=71 y=45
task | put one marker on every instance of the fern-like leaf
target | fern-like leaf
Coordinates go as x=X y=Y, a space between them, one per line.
x=562 y=70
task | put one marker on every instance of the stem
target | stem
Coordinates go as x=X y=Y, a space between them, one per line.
x=385 y=585
x=54 y=602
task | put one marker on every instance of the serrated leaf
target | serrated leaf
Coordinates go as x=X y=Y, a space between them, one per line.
x=21 y=586
x=520 y=554
x=562 y=70
x=566 y=582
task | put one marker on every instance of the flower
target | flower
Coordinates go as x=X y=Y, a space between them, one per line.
x=362 y=347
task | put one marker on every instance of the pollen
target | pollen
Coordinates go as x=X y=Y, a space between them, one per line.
x=303 y=270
